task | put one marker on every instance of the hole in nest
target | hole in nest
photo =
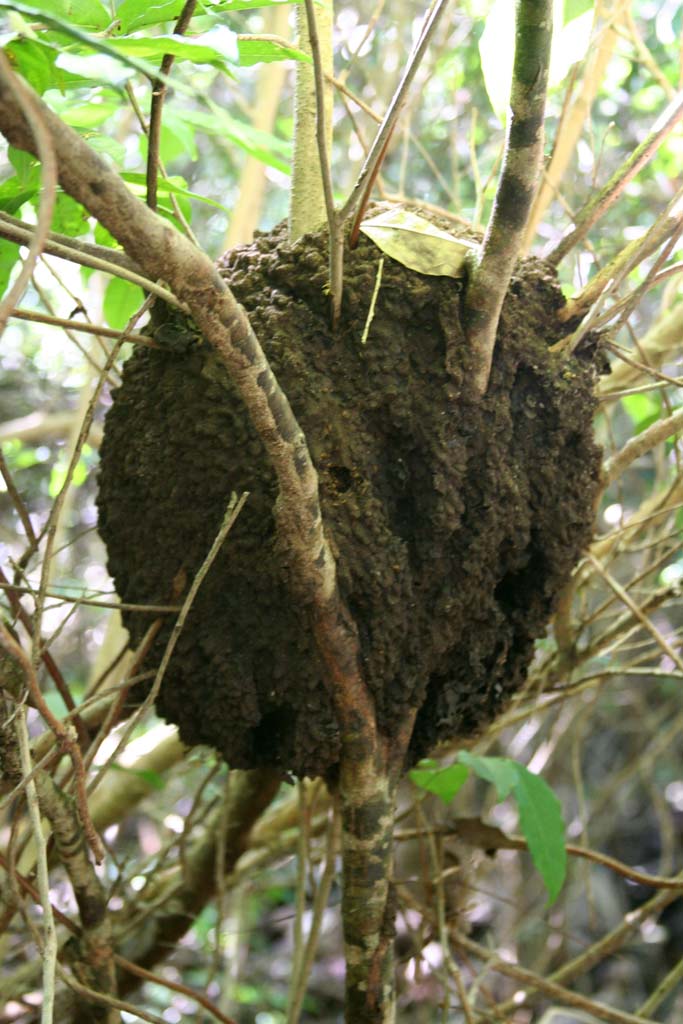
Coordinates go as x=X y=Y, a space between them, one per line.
x=341 y=478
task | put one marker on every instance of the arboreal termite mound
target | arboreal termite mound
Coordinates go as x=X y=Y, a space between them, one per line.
x=454 y=520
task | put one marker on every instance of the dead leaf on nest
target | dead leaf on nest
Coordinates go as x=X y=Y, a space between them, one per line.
x=418 y=244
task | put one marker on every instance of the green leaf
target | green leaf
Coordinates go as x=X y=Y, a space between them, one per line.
x=265 y=51
x=153 y=779
x=25 y=164
x=226 y=6
x=60 y=468
x=264 y=146
x=168 y=186
x=216 y=47
x=34 y=61
x=12 y=199
x=37 y=59
x=69 y=217
x=501 y=771
x=540 y=813
x=134 y=14
x=20 y=187
x=89 y=115
x=177 y=140
x=9 y=254
x=443 y=782
x=105 y=144
x=63 y=26
x=570 y=43
x=103 y=237
x=88 y=14
x=497 y=48
x=121 y=299
x=644 y=410
x=540 y=818
x=418 y=244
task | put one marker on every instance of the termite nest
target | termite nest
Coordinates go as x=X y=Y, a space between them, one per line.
x=455 y=521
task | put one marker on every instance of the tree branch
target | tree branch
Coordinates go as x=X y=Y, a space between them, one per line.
x=370 y=764
x=641 y=156
x=521 y=168
x=159 y=87
x=163 y=253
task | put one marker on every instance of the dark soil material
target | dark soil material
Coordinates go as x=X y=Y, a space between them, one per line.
x=454 y=522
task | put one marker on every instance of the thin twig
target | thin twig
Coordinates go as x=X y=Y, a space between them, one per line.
x=593 y=297
x=297 y=986
x=319 y=905
x=65 y=737
x=50 y=534
x=398 y=100
x=16 y=230
x=235 y=506
x=18 y=502
x=46 y=657
x=641 y=444
x=544 y=985
x=475 y=832
x=150 y=609
x=632 y=255
x=76 y=325
x=50 y=948
x=665 y=986
x=158 y=95
x=597 y=952
x=93 y=256
x=637 y=612
x=640 y=157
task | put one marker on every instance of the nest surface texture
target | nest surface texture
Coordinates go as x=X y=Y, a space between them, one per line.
x=455 y=522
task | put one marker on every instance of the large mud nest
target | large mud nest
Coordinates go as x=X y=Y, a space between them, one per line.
x=454 y=522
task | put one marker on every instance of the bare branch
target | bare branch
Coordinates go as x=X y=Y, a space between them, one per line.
x=641 y=444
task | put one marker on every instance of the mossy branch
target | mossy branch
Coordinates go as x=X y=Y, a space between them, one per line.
x=522 y=161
